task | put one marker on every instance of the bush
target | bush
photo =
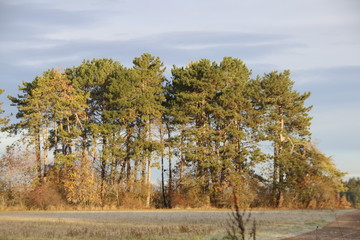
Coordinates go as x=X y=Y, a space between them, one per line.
x=46 y=196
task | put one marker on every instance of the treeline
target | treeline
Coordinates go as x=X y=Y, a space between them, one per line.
x=353 y=191
x=95 y=133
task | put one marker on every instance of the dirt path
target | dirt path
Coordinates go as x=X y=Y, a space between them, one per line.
x=347 y=226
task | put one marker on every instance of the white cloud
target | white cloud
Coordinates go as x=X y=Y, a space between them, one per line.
x=65 y=5
x=326 y=29
x=6 y=47
x=94 y=33
x=46 y=61
x=202 y=46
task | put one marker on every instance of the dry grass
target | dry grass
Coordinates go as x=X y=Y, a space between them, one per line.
x=154 y=224
x=30 y=228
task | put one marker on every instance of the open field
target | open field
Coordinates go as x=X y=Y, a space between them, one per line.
x=177 y=224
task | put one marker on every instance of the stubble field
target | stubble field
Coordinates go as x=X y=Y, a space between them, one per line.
x=177 y=224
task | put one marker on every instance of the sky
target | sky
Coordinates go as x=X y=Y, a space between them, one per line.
x=319 y=41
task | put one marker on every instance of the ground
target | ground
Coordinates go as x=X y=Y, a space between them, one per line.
x=346 y=226
x=177 y=224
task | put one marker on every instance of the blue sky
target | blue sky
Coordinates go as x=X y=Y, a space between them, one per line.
x=319 y=41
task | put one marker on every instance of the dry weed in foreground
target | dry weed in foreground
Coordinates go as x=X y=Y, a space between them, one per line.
x=237 y=223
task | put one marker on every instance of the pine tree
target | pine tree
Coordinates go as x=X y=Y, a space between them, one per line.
x=287 y=123
x=148 y=79
x=50 y=111
x=100 y=134
x=193 y=91
x=213 y=107
x=235 y=124
x=34 y=112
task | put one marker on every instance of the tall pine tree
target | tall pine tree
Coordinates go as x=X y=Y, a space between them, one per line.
x=287 y=124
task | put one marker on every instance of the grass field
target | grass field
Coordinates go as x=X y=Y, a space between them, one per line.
x=178 y=224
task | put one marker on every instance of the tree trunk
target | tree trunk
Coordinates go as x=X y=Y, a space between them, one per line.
x=103 y=171
x=278 y=175
x=181 y=167
x=162 y=169
x=38 y=155
x=148 y=192
x=46 y=150
x=275 y=176
x=170 y=183
x=148 y=195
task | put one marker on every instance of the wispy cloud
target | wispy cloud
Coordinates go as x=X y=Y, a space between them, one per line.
x=64 y=5
x=326 y=77
x=101 y=34
x=6 y=47
x=319 y=41
x=44 y=62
